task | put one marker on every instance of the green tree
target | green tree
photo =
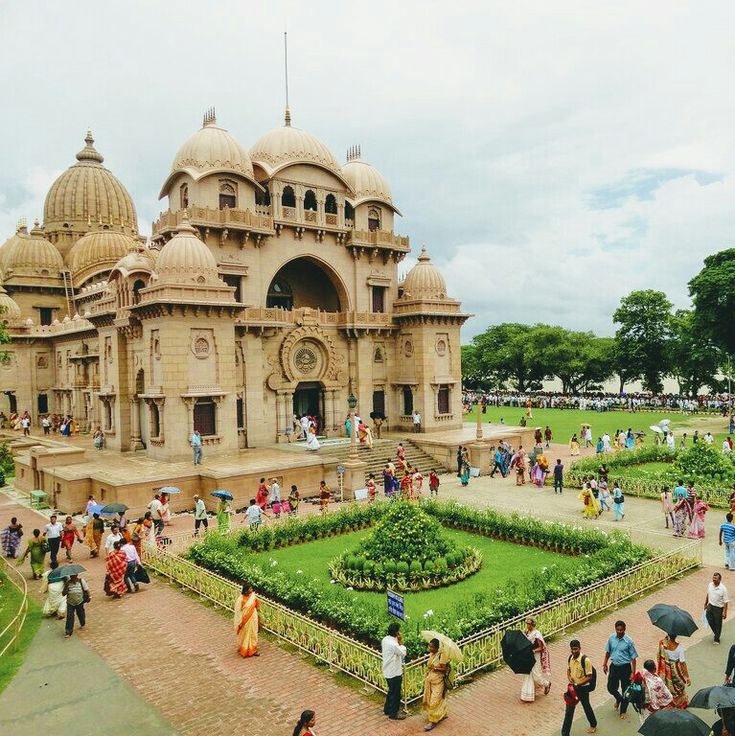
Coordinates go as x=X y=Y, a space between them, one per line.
x=642 y=340
x=472 y=376
x=713 y=293
x=695 y=359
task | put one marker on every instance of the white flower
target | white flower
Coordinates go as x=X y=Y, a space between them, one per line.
x=274 y=563
x=428 y=613
x=299 y=572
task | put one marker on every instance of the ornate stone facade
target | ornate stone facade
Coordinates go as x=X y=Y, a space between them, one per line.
x=269 y=288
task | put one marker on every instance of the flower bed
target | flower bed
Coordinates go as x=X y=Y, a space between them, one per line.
x=599 y=556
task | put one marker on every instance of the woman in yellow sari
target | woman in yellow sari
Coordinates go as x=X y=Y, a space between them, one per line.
x=435 y=686
x=591 y=507
x=247 y=622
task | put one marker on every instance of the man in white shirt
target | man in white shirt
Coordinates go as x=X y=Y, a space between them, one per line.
x=416 y=421
x=275 y=491
x=393 y=655
x=715 y=605
x=156 y=509
x=133 y=561
x=200 y=515
x=254 y=514
x=708 y=438
x=112 y=537
x=52 y=532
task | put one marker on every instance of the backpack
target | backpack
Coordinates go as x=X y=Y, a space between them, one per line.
x=636 y=696
x=592 y=684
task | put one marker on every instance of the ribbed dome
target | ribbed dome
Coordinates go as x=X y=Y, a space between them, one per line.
x=30 y=255
x=97 y=252
x=140 y=259
x=87 y=193
x=186 y=259
x=8 y=308
x=367 y=183
x=424 y=280
x=287 y=145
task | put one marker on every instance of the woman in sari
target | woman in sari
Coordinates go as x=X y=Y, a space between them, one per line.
x=312 y=443
x=696 y=526
x=591 y=507
x=55 y=603
x=224 y=512
x=306 y=724
x=294 y=499
x=682 y=516
x=672 y=668
x=574 y=445
x=464 y=476
x=116 y=564
x=247 y=622
x=37 y=549
x=69 y=534
x=165 y=510
x=434 y=702
x=10 y=538
x=658 y=696
x=540 y=675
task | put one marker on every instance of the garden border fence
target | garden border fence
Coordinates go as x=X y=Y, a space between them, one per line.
x=15 y=626
x=481 y=650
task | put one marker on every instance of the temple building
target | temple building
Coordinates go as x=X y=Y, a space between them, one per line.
x=268 y=288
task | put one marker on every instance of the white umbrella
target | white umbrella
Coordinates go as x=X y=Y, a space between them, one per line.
x=449 y=646
x=656 y=428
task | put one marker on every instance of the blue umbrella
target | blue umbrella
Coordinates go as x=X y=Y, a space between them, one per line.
x=222 y=494
x=96 y=508
x=168 y=490
x=65 y=571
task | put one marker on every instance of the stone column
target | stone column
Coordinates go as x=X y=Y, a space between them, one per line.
x=328 y=411
x=341 y=214
x=320 y=219
x=136 y=442
x=280 y=408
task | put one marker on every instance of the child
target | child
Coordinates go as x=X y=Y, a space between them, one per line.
x=277 y=507
x=417 y=484
x=604 y=496
x=294 y=499
x=371 y=489
x=593 y=487
x=324 y=496
x=433 y=483
x=667 y=506
x=254 y=514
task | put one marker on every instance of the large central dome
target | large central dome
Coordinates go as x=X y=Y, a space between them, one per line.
x=88 y=194
x=287 y=145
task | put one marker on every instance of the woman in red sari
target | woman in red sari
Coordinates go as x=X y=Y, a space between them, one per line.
x=116 y=563
x=68 y=534
x=247 y=622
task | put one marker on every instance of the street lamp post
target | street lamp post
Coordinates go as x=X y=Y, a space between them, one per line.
x=352 y=403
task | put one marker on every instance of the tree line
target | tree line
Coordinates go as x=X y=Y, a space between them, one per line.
x=652 y=341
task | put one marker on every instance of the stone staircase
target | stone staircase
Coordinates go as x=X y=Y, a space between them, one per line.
x=377 y=456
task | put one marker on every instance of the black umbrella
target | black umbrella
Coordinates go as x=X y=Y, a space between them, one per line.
x=517 y=652
x=114 y=508
x=65 y=571
x=673 y=620
x=674 y=723
x=710 y=698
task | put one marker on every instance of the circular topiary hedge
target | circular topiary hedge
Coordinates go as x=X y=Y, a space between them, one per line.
x=407 y=550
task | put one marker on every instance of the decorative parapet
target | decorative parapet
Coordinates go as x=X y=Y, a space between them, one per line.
x=258 y=221
x=274 y=317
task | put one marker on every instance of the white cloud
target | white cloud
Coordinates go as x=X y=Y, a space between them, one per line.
x=496 y=124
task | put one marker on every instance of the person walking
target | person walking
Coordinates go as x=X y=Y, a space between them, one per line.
x=76 y=592
x=558 y=476
x=416 y=421
x=540 y=675
x=393 y=653
x=52 y=532
x=306 y=723
x=667 y=506
x=133 y=558
x=619 y=665
x=459 y=461
x=36 y=548
x=715 y=605
x=10 y=538
x=580 y=674
x=116 y=565
x=434 y=701
x=112 y=539
x=618 y=502
x=433 y=483
x=247 y=622
x=196 y=447
x=574 y=445
x=156 y=509
x=54 y=604
x=727 y=538
x=672 y=668
x=69 y=534
x=200 y=515
x=548 y=436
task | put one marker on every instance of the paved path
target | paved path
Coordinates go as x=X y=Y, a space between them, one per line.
x=173 y=659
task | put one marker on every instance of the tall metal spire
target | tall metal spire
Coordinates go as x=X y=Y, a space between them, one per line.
x=287 y=117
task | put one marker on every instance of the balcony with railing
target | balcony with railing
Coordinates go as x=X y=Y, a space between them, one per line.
x=258 y=220
x=276 y=317
x=378 y=239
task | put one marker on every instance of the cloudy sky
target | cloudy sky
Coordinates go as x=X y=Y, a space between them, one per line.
x=552 y=156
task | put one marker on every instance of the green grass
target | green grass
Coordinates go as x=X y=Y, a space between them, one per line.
x=564 y=422
x=501 y=562
x=10 y=599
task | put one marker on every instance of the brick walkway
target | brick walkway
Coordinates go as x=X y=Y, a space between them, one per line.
x=180 y=655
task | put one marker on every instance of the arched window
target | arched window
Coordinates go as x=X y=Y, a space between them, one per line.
x=137 y=286
x=227 y=194
x=310 y=201
x=184 y=196
x=279 y=295
x=407 y=400
x=373 y=219
x=288 y=198
x=263 y=198
x=349 y=213
x=378 y=357
x=330 y=204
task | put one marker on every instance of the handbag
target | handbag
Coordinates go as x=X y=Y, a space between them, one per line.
x=141 y=575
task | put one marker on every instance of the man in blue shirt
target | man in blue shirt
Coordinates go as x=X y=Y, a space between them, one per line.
x=619 y=665
x=680 y=492
x=727 y=538
x=558 y=477
x=498 y=462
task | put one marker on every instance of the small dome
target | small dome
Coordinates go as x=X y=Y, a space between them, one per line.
x=140 y=259
x=285 y=146
x=424 y=281
x=87 y=193
x=8 y=308
x=186 y=259
x=97 y=252
x=367 y=183
x=30 y=255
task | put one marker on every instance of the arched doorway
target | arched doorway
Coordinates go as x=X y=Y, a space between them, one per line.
x=307 y=282
x=308 y=398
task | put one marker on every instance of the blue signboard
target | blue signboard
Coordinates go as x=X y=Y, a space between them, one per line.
x=395 y=605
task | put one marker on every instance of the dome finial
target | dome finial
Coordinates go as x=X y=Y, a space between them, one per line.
x=287 y=118
x=21 y=226
x=210 y=118
x=185 y=226
x=89 y=152
x=424 y=256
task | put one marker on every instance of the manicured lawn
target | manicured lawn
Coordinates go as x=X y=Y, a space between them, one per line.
x=564 y=422
x=10 y=599
x=502 y=562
